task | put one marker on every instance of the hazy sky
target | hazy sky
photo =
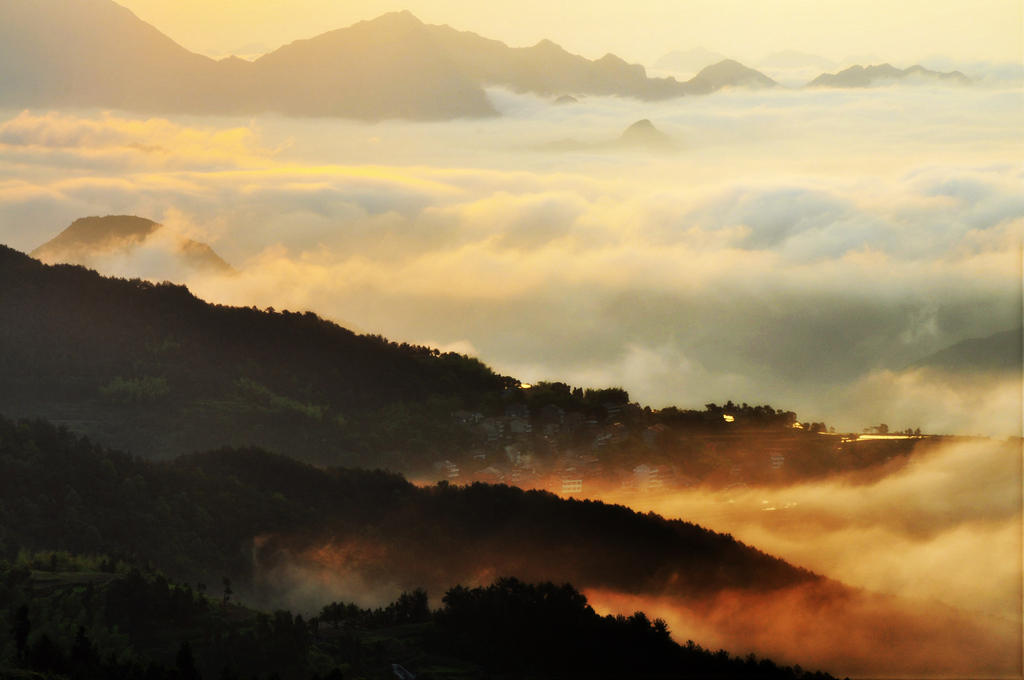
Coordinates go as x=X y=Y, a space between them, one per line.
x=641 y=31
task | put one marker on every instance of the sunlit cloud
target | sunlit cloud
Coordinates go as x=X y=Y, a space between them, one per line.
x=771 y=260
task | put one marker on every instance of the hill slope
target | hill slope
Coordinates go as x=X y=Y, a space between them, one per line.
x=997 y=352
x=730 y=73
x=263 y=518
x=154 y=369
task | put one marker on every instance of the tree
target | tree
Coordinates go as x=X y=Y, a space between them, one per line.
x=227 y=590
x=22 y=627
x=185 y=663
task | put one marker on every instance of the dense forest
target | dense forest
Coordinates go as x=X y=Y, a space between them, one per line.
x=140 y=625
x=152 y=368
x=241 y=512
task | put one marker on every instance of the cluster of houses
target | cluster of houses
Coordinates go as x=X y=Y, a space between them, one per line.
x=562 y=452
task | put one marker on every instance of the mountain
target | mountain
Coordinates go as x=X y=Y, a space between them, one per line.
x=730 y=73
x=95 y=53
x=999 y=352
x=549 y=70
x=89 y=238
x=250 y=510
x=688 y=61
x=860 y=76
x=640 y=136
x=643 y=134
x=391 y=67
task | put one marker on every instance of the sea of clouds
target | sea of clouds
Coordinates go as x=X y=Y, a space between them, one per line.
x=800 y=248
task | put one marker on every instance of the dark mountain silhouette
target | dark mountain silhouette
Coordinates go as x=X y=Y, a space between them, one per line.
x=861 y=76
x=566 y=99
x=246 y=511
x=688 y=61
x=641 y=135
x=97 y=53
x=88 y=237
x=90 y=522
x=730 y=73
x=998 y=352
x=151 y=368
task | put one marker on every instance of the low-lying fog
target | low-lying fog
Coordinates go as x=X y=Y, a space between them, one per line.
x=932 y=549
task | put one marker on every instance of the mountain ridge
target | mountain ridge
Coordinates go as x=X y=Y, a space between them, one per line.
x=97 y=53
x=858 y=76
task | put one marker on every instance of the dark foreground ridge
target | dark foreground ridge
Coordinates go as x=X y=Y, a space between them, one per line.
x=136 y=625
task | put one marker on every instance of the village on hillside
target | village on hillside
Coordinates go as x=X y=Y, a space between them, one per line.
x=621 y=447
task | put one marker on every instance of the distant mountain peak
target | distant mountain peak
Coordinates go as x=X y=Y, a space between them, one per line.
x=731 y=73
x=643 y=134
x=400 y=18
x=90 y=237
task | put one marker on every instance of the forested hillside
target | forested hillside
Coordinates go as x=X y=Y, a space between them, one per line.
x=223 y=522
x=151 y=368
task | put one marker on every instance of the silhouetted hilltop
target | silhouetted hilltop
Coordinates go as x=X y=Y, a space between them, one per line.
x=730 y=73
x=89 y=237
x=245 y=512
x=860 y=76
x=640 y=136
x=643 y=134
x=997 y=352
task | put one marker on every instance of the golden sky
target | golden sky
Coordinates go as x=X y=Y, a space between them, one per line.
x=900 y=32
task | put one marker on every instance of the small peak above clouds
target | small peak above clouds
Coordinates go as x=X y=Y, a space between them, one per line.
x=91 y=240
x=641 y=136
x=731 y=73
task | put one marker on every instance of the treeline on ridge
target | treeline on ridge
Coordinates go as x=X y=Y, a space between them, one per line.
x=152 y=369
x=140 y=625
x=200 y=517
